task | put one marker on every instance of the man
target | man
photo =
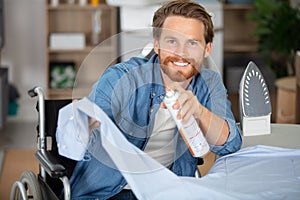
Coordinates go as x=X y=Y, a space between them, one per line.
x=132 y=93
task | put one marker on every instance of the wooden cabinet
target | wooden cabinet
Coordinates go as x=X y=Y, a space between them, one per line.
x=240 y=46
x=80 y=64
x=238 y=28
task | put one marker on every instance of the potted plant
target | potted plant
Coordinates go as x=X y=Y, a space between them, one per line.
x=278 y=33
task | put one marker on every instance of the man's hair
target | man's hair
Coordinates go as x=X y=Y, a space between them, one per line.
x=184 y=8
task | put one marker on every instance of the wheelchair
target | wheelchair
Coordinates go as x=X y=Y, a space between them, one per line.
x=54 y=170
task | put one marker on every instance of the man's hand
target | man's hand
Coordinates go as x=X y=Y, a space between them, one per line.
x=93 y=123
x=214 y=128
x=188 y=104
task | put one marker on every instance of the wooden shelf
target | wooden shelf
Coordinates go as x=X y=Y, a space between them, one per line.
x=89 y=61
x=238 y=29
x=240 y=47
x=68 y=93
x=64 y=7
x=88 y=49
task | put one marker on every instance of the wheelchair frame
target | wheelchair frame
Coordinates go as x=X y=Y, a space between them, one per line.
x=28 y=185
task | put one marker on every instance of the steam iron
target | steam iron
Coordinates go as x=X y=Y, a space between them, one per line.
x=254 y=102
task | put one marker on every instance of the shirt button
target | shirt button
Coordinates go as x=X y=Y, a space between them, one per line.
x=71 y=117
x=151 y=110
x=161 y=96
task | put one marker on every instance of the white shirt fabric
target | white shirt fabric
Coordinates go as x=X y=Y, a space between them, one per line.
x=259 y=172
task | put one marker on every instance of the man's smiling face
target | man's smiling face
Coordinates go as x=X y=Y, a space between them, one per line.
x=181 y=48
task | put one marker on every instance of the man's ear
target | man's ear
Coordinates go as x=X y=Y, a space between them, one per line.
x=208 y=48
x=156 y=46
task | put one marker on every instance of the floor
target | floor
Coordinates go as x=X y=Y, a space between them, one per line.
x=17 y=162
x=18 y=135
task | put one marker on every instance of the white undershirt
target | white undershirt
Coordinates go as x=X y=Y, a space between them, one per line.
x=161 y=143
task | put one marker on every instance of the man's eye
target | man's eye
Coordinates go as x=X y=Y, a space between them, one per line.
x=193 y=43
x=171 y=41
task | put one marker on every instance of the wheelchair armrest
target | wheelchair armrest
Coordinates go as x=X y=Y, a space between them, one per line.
x=50 y=164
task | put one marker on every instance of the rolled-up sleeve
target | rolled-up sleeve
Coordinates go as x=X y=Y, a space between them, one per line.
x=219 y=104
x=233 y=143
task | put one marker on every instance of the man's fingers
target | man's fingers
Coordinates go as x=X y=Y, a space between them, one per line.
x=176 y=86
x=93 y=124
x=163 y=105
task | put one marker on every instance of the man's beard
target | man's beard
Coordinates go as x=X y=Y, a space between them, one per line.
x=178 y=75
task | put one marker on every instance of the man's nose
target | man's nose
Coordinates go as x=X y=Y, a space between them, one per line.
x=181 y=50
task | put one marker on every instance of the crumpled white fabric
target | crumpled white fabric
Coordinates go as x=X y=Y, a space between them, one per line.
x=72 y=133
x=259 y=172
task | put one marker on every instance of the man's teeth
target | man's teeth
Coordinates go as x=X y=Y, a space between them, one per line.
x=181 y=64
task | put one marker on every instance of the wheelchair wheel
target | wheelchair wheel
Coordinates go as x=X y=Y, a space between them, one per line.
x=31 y=185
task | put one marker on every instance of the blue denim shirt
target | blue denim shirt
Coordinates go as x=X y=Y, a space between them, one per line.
x=130 y=93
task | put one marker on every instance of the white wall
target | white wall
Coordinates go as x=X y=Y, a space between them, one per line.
x=24 y=50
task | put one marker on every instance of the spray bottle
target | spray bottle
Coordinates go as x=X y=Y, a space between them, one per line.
x=190 y=131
